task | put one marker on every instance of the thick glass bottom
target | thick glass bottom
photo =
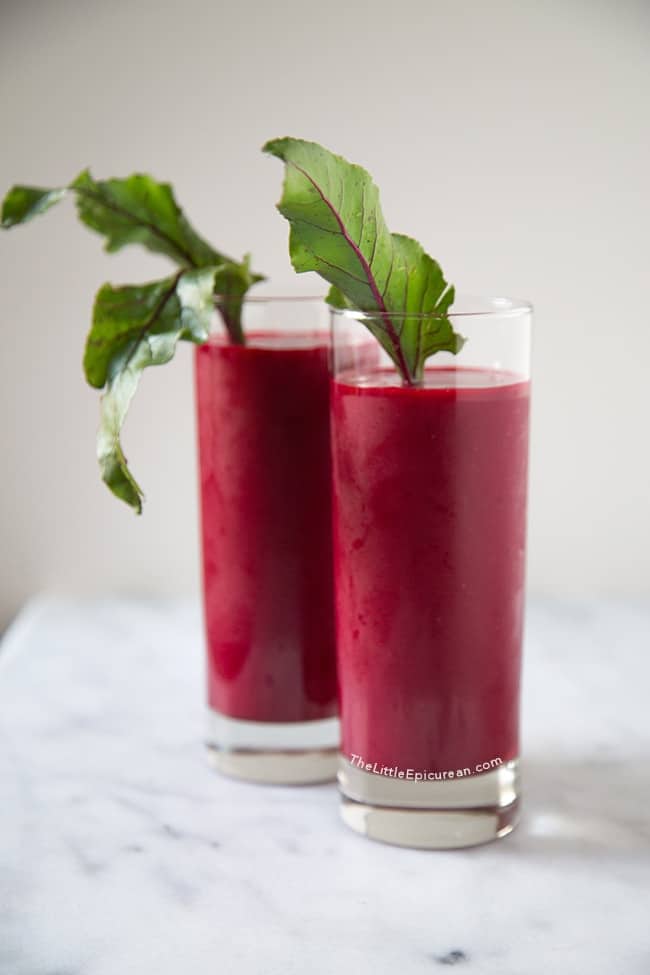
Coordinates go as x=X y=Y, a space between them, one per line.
x=438 y=815
x=280 y=753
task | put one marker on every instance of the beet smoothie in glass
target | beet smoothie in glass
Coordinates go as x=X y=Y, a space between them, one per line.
x=430 y=485
x=264 y=451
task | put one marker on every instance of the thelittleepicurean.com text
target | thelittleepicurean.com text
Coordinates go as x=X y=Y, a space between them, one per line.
x=422 y=775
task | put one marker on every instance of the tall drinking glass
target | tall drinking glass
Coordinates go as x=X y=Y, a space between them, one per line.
x=264 y=459
x=430 y=484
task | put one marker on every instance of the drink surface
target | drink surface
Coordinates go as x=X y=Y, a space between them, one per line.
x=263 y=421
x=429 y=548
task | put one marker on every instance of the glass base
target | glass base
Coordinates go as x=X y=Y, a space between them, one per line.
x=279 y=753
x=443 y=815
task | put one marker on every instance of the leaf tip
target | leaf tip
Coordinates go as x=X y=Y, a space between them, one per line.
x=84 y=177
x=276 y=147
x=23 y=203
x=460 y=342
x=5 y=217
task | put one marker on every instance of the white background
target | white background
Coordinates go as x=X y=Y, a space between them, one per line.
x=511 y=138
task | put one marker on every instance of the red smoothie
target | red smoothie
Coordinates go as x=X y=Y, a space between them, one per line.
x=263 y=421
x=429 y=539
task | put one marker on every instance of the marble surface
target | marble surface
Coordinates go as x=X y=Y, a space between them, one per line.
x=121 y=853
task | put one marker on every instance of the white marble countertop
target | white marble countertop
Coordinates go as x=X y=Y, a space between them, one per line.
x=121 y=853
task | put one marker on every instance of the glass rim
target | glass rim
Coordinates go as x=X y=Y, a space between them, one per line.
x=268 y=299
x=496 y=307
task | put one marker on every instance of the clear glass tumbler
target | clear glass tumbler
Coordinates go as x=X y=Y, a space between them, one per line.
x=429 y=508
x=264 y=461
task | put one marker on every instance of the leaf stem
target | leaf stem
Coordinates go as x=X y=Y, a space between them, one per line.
x=233 y=326
x=401 y=363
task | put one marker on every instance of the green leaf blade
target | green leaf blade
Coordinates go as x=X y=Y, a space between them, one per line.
x=23 y=203
x=113 y=464
x=419 y=287
x=138 y=209
x=338 y=230
x=135 y=327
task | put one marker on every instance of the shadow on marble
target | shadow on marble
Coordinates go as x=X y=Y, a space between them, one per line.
x=579 y=808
